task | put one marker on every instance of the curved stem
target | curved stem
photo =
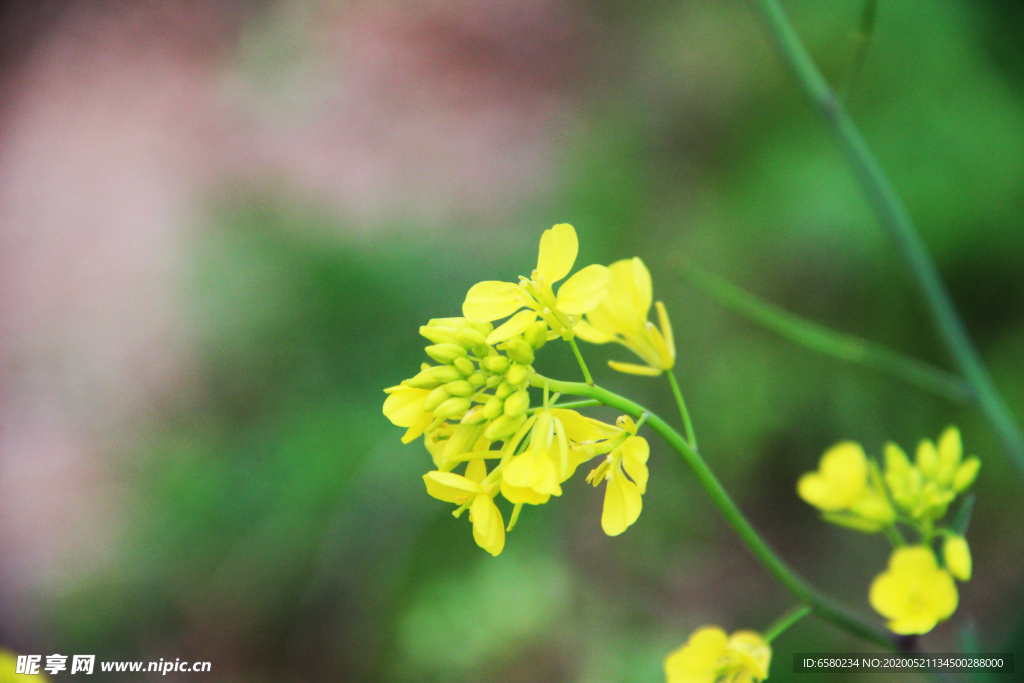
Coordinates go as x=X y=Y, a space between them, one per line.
x=691 y=437
x=571 y=405
x=780 y=625
x=796 y=585
x=894 y=215
x=583 y=365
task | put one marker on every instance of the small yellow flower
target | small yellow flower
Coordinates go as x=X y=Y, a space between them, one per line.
x=622 y=318
x=492 y=300
x=404 y=407
x=710 y=656
x=488 y=525
x=957 y=556
x=623 y=495
x=848 y=489
x=914 y=594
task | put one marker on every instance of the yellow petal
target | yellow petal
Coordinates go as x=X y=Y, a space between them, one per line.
x=666 y=328
x=635 y=452
x=404 y=406
x=957 y=555
x=634 y=369
x=558 y=249
x=512 y=327
x=476 y=470
x=450 y=487
x=488 y=526
x=950 y=452
x=966 y=473
x=927 y=459
x=491 y=300
x=622 y=505
x=584 y=290
x=519 y=495
x=581 y=428
x=697 y=660
x=531 y=470
x=840 y=481
x=589 y=333
x=414 y=431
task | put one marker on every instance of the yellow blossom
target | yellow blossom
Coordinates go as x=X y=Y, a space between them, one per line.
x=404 y=407
x=622 y=317
x=492 y=300
x=488 y=525
x=710 y=656
x=957 y=556
x=623 y=495
x=914 y=593
x=926 y=488
x=848 y=489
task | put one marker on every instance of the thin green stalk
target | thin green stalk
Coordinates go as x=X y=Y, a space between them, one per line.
x=583 y=365
x=691 y=436
x=796 y=585
x=571 y=405
x=782 y=624
x=823 y=340
x=894 y=215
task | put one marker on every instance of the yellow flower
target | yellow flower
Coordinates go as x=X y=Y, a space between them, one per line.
x=622 y=317
x=491 y=300
x=957 y=556
x=9 y=664
x=404 y=407
x=926 y=488
x=848 y=489
x=623 y=495
x=488 y=525
x=914 y=594
x=710 y=656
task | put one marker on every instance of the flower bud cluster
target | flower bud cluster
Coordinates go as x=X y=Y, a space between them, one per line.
x=915 y=593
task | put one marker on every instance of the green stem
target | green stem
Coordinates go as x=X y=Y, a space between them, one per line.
x=894 y=215
x=803 y=591
x=691 y=437
x=583 y=365
x=780 y=625
x=861 y=41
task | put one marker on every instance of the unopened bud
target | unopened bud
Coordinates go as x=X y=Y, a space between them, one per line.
x=475 y=416
x=440 y=334
x=957 y=556
x=481 y=327
x=498 y=364
x=477 y=379
x=504 y=427
x=465 y=366
x=445 y=353
x=519 y=351
x=517 y=403
x=460 y=388
x=435 y=398
x=470 y=337
x=431 y=377
x=494 y=380
x=517 y=374
x=452 y=406
x=536 y=335
x=503 y=390
x=494 y=407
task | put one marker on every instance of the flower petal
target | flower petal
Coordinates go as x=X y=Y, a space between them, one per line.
x=558 y=249
x=491 y=300
x=582 y=428
x=635 y=452
x=450 y=487
x=584 y=290
x=404 y=406
x=622 y=504
x=488 y=526
x=517 y=494
x=589 y=333
x=634 y=369
x=697 y=660
x=512 y=327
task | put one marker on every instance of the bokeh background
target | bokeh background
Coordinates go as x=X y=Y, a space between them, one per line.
x=221 y=223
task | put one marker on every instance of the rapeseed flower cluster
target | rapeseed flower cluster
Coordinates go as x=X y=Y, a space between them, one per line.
x=473 y=407
x=916 y=592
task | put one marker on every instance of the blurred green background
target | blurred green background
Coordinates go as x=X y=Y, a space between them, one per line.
x=261 y=512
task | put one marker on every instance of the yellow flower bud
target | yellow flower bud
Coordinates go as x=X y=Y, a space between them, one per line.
x=435 y=398
x=477 y=379
x=519 y=351
x=470 y=337
x=966 y=473
x=452 y=407
x=465 y=366
x=431 y=377
x=496 y=364
x=517 y=403
x=474 y=417
x=517 y=374
x=459 y=388
x=536 y=335
x=445 y=353
x=503 y=427
x=494 y=407
x=957 y=556
x=504 y=390
x=440 y=334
